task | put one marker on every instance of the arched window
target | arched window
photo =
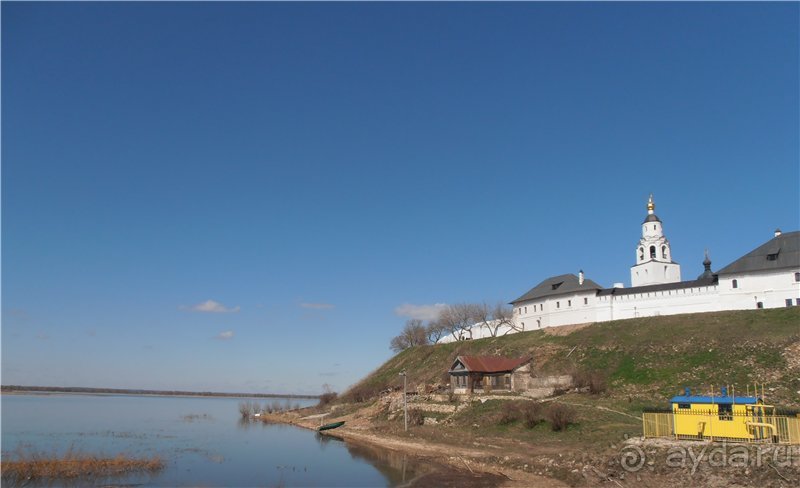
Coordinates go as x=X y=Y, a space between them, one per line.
x=797 y=276
x=735 y=283
x=664 y=252
x=641 y=254
x=652 y=252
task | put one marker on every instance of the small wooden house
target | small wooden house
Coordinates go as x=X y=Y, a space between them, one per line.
x=485 y=374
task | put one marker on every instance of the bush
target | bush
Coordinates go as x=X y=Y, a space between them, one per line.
x=595 y=381
x=362 y=393
x=327 y=398
x=416 y=417
x=532 y=414
x=511 y=412
x=560 y=416
x=248 y=409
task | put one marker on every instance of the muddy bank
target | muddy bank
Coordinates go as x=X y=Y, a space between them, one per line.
x=446 y=465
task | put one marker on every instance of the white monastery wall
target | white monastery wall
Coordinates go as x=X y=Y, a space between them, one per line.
x=771 y=289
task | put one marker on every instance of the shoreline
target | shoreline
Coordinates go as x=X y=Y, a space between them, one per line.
x=153 y=393
x=468 y=461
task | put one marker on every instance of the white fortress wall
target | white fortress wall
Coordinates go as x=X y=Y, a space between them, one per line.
x=771 y=289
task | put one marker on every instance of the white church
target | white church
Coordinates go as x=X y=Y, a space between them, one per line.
x=767 y=277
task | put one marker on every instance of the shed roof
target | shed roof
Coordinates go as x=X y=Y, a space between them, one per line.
x=717 y=399
x=780 y=252
x=558 y=285
x=703 y=281
x=489 y=364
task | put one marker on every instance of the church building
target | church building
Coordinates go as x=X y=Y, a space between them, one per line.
x=767 y=277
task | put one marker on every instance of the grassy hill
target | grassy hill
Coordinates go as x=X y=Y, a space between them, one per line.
x=647 y=359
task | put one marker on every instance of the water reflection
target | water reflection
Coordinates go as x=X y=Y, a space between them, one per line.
x=203 y=441
x=395 y=466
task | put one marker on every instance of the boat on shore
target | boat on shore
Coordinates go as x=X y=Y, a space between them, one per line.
x=330 y=426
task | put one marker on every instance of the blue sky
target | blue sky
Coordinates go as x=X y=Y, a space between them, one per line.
x=256 y=196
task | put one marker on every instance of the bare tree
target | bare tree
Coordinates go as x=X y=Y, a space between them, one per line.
x=435 y=331
x=494 y=318
x=503 y=316
x=413 y=334
x=483 y=318
x=458 y=319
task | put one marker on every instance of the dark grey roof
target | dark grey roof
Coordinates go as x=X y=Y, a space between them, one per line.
x=678 y=285
x=651 y=218
x=779 y=252
x=558 y=285
x=707 y=273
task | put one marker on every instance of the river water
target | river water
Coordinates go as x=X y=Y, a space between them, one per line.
x=203 y=440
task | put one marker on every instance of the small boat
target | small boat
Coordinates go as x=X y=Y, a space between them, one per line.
x=331 y=426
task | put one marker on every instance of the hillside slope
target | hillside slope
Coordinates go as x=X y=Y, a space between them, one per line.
x=648 y=358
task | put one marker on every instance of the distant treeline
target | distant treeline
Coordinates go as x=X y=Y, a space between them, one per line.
x=120 y=391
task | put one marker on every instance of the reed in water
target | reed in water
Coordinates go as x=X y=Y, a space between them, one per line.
x=22 y=467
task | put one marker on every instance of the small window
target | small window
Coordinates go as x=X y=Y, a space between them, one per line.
x=586 y=301
x=788 y=302
x=725 y=411
x=558 y=304
x=664 y=252
x=685 y=405
x=760 y=305
x=772 y=257
x=797 y=277
x=569 y=303
x=641 y=254
x=652 y=252
x=526 y=309
x=735 y=284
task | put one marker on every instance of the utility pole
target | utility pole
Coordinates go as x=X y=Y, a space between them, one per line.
x=405 y=403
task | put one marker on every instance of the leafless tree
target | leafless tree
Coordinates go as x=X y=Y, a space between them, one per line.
x=459 y=318
x=435 y=331
x=494 y=318
x=413 y=334
x=503 y=315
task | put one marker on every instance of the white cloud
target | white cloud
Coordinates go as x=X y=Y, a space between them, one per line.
x=317 y=306
x=210 y=306
x=225 y=336
x=422 y=312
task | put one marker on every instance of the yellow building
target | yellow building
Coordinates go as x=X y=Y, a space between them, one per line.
x=743 y=418
x=723 y=417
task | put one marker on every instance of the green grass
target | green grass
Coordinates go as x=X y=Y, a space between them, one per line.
x=648 y=358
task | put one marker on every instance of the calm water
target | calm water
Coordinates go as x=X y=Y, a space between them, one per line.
x=203 y=441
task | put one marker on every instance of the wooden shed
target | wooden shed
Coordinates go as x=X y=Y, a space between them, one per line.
x=485 y=374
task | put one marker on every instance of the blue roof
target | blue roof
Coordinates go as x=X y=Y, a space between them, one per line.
x=717 y=399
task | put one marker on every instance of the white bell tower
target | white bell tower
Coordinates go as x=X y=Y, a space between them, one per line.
x=654 y=263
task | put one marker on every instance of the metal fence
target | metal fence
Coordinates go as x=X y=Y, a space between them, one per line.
x=785 y=429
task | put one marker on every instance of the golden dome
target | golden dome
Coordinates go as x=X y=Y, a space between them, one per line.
x=650 y=205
